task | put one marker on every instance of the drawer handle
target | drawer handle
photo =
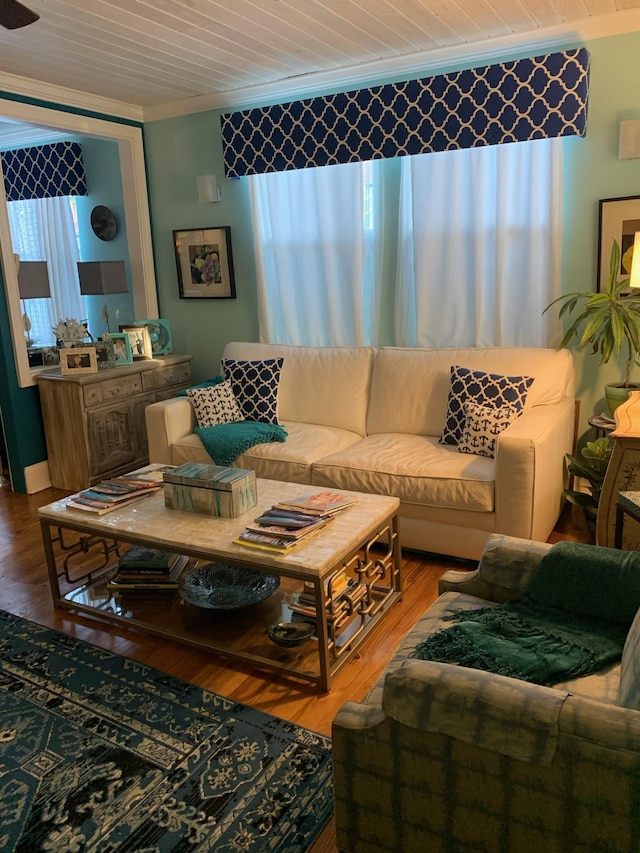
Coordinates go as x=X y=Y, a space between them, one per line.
x=115 y=390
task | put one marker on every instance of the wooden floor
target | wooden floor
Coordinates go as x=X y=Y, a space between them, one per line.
x=24 y=590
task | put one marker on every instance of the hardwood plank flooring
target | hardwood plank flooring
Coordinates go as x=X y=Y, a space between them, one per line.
x=24 y=590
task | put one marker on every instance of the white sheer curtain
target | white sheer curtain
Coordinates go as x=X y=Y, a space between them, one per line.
x=44 y=230
x=317 y=255
x=480 y=241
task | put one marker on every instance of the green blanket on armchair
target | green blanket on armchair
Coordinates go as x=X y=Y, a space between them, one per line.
x=572 y=621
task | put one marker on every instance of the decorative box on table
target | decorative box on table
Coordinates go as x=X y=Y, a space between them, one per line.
x=210 y=489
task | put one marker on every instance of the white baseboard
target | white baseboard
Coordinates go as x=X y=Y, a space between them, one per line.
x=37 y=477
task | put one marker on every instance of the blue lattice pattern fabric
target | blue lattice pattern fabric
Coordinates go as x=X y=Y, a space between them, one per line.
x=485 y=389
x=215 y=405
x=534 y=98
x=44 y=171
x=482 y=426
x=255 y=386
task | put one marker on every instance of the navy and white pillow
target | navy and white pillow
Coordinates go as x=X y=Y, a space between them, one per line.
x=484 y=389
x=482 y=427
x=215 y=405
x=255 y=387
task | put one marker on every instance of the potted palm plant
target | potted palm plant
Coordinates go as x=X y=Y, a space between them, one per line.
x=607 y=321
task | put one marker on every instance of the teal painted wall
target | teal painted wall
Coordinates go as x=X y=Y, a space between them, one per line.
x=102 y=166
x=180 y=149
x=592 y=172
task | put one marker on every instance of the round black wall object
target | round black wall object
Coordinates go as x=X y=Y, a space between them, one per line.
x=103 y=223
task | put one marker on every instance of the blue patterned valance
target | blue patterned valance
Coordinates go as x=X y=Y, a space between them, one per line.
x=44 y=171
x=533 y=98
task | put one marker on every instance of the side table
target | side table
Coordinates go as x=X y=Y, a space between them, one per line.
x=602 y=425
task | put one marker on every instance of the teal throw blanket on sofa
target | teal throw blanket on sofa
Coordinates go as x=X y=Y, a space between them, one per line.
x=225 y=442
x=573 y=619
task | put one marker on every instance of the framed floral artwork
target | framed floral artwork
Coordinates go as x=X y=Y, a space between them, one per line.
x=205 y=263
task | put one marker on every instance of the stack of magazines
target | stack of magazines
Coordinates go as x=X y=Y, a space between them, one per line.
x=148 y=568
x=117 y=492
x=285 y=525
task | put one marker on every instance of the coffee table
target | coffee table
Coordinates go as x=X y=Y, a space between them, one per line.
x=82 y=552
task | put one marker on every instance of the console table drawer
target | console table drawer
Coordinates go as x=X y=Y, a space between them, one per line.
x=112 y=389
x=177 y=374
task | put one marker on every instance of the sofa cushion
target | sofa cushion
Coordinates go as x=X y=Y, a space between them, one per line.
x=414 y=468
x=255 y=386
x=482 y=426
x=485 y=389
x=328 y=386
x=409 y=387
x=215 y=405
x=290 y=461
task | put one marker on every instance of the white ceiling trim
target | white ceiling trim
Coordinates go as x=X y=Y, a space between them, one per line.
x=73 y=98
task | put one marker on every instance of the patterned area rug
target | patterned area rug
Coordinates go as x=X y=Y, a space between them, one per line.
x=100 y=753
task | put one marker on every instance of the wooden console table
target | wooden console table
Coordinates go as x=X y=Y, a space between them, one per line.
x=94 y=423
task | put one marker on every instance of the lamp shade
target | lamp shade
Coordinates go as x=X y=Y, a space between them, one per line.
x=33 y=280
x=634 y=280
x=98 y=278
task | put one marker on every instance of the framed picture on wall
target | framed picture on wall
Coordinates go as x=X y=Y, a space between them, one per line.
x=205 y=263
x=619 y=221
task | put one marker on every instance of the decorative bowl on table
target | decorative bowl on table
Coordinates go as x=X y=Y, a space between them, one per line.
x=290 y=634
x=219 y=586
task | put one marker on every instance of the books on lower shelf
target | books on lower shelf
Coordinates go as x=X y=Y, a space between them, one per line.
x=283 y=526
x=117 y=492
x=148 y=568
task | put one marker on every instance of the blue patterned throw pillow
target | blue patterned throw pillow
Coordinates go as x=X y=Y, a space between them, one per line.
x=485 y=389
x=255 y=387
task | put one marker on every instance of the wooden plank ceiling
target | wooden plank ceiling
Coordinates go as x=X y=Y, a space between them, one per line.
x=152 y=52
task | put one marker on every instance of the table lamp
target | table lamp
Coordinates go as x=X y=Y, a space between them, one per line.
x=100 y=278
x=33 y=283
x=634 y=279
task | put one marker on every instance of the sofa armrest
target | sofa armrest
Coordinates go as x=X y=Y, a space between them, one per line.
x=506 y=567
x=167 y=421
x=530 y=470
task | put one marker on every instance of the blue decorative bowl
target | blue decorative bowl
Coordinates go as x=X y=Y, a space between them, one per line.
x=219 y=586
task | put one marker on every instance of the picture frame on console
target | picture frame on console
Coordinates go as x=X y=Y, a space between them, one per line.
x=77 y=360
x=121 y=348
x=619 y=219
x=204 y=263
x=139 y=341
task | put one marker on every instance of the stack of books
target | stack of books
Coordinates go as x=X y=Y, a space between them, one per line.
x=117 y=492
x=343 y=593
x=285 y=525
x=148 y=568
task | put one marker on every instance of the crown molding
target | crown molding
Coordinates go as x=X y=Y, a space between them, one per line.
x=424 y=63
x=71 y=98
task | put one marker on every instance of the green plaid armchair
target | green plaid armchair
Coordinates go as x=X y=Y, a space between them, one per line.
x=444 y=758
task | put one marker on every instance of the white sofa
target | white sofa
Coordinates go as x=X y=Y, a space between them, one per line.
x=369 y=420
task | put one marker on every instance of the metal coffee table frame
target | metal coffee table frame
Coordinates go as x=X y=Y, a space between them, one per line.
x=81 y=554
